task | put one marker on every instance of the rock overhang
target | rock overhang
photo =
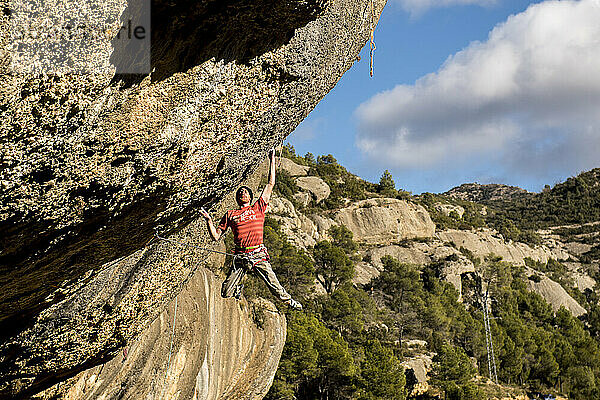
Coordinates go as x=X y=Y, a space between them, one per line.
x=94 y=165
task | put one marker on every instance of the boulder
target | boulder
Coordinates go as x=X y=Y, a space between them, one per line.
x=385 y=220
x=292 y=168
x=314 y=185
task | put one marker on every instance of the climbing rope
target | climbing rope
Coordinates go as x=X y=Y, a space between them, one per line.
x=280 y=155
x=176 y=298
x=195 y=246
x=170 y=349
x=372 y=41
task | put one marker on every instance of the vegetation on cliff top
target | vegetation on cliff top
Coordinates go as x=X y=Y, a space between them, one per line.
x=516 y=215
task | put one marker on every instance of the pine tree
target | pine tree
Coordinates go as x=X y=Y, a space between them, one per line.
x=387 y=186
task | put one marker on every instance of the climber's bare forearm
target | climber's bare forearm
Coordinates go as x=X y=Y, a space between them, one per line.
x=268 y=190
x=214 y=233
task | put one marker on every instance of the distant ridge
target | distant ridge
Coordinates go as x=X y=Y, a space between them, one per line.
x=476 y=192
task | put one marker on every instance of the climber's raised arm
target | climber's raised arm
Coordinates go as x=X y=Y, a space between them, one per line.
x=266 y=193
x=214 y=232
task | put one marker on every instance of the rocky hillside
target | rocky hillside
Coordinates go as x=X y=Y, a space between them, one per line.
x=403 y=253
x=93 y=165
x=404 y=230
x=477 y=193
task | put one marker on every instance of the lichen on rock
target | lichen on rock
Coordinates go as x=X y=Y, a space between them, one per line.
x=94 y=165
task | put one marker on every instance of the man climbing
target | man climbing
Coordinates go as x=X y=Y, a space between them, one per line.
x=247 y=224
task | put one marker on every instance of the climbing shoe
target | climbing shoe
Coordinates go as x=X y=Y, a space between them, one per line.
x=295 y=305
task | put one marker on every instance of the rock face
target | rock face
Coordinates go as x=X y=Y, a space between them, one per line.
x=94 y=164
x=453 y=263
x=214 y=351
x=484 y=242
x=315 y=186
x=555 y=295
x=386 y=220
x=477 y=193
x=369 y=221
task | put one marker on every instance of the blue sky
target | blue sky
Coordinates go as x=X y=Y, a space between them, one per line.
x=486 y=91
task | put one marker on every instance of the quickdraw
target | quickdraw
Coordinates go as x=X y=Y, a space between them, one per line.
x=372 y=40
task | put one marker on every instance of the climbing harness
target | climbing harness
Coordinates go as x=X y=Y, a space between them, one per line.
x=372 y=41
x=247 y=256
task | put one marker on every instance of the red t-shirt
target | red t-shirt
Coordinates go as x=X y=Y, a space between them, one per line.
x=246 y=223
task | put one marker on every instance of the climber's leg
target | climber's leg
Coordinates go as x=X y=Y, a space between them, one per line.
x=232 y=285
x=262 y=267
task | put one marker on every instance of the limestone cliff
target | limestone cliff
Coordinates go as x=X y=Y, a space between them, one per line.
x=404 y=230
x=94 y=164
x=386 y=220
x=217 y=349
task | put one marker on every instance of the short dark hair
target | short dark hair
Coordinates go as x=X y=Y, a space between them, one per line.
x=237 y=194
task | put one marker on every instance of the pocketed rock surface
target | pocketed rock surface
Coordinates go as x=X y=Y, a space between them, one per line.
x=92 y=165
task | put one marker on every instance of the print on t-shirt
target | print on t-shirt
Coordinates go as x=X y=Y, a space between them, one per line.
x=246 y=224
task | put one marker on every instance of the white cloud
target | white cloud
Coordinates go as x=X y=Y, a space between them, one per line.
x=308 y=130
x=416 y=7
x=527 y=99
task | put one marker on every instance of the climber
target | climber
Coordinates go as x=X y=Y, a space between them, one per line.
x=251 y=255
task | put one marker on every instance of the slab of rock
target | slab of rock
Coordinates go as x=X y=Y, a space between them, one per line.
x=385 y=220
x=555 y=295
x=314 y=185
x=485 y=242
x=215 y=350
x=292 y=168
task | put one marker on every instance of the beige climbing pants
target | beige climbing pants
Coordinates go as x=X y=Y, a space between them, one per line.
x=258 y=263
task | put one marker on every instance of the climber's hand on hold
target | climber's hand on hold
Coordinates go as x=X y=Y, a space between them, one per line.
x=205 y=213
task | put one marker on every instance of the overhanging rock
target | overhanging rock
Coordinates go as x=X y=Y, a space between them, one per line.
x=94 y=164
